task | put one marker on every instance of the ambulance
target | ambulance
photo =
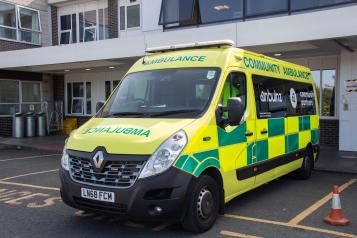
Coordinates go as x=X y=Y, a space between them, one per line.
x=189 y=128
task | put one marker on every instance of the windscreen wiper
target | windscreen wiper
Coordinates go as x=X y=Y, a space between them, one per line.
x=118 y=114
x=173 y=112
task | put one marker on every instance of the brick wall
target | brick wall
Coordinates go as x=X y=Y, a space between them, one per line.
x=54 y=25
x=58 y=88
x=329 y=132
x=113 y=18
x=12 y=45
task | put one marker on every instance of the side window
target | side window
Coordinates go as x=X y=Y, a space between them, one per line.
x=269 y=97
x=278 y=98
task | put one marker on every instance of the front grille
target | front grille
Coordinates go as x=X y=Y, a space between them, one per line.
x=116 y=174
x=101 y=206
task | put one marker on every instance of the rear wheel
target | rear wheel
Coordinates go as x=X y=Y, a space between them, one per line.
x=203 y=205
x=306 y=168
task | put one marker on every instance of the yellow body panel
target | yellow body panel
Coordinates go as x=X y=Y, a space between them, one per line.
x=227 y=150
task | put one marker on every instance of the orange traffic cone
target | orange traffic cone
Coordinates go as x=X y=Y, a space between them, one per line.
x=336 y=217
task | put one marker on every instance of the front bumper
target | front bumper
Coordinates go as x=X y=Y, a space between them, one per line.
x=167 y=191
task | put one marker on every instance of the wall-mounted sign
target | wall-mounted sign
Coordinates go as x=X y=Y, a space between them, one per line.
x=351 y=85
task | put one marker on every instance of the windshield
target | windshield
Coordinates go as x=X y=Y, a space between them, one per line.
x=175 y=93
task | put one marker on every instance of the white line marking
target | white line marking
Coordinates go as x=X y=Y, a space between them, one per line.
x=24 y=175
x=236 y=234
x=29 y=185
x=29 y=157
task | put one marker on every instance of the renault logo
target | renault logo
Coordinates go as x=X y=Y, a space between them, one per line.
x=98 y=159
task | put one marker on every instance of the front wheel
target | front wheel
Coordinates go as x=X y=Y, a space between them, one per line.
x=203 y=205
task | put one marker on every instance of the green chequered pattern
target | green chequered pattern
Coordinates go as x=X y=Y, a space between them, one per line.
x=262 y=150
x=234 y=137
x=256 y=151
x=291 y=142
x=304 y=123
x=315 y=135
x=197 y=162
x=276 y=127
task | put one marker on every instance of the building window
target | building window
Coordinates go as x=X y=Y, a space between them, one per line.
x=325 y=83
x=79 y=98
x=109 y=87
x=221 y=10
x=258 y=7
x=92 y=25
x=19 y=23
x=129 y=11
x=68 y=29
x=19 y=96
x=9 y=97
x=178 y=13
x=298 y=5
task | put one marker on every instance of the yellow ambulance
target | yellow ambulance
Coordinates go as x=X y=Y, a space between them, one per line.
x=189 y=128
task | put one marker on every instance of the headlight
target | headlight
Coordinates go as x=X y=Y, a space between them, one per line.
x=165 y=155
x=65 y=158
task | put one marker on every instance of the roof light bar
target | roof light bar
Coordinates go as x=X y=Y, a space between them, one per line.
x=217 y=43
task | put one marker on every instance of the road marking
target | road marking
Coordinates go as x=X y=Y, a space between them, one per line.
x=301 y=216
x=134 y=225
x=236 y=234
x=162 y=226
x=285 y=224
x=24 y=175
x=29 y=157
x=29 y=185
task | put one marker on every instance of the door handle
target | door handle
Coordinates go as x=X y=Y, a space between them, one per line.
x=264 y=131
x=248 y=133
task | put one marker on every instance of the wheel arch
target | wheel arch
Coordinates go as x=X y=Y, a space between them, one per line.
x=214 y=173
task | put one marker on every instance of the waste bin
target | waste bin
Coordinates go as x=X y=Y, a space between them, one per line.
x=18 y=126
x=41 y=124
x=30 y=124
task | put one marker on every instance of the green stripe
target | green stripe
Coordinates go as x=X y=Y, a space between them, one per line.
x=180 y=161
x=250 y=153
x=206 y=154
x=262 y=150
x=276 y=126
x=206 y=164
x=190 y=165
x=234 y=137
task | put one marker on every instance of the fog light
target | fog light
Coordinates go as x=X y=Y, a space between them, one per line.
x=155 y=210
x=158 y=210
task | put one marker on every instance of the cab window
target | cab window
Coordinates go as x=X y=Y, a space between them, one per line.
x=235 y=86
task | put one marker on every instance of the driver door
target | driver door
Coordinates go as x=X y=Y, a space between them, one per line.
x=236 y=143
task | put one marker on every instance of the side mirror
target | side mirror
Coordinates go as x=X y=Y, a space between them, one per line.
x=99 y=105
x=235 y=109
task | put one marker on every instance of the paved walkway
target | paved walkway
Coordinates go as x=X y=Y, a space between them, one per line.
x=330 y=158
x=336 y=161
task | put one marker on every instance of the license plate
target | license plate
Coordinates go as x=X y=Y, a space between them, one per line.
x=97 y=195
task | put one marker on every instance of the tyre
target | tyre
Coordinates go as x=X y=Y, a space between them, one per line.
x=203 y=207
x=306 y=168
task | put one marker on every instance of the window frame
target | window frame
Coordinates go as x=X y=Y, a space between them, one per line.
x=84 y=98
x=319 y=99
x=126 y=5
x=20 y=89
x=82 y=9
x=19 y=28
